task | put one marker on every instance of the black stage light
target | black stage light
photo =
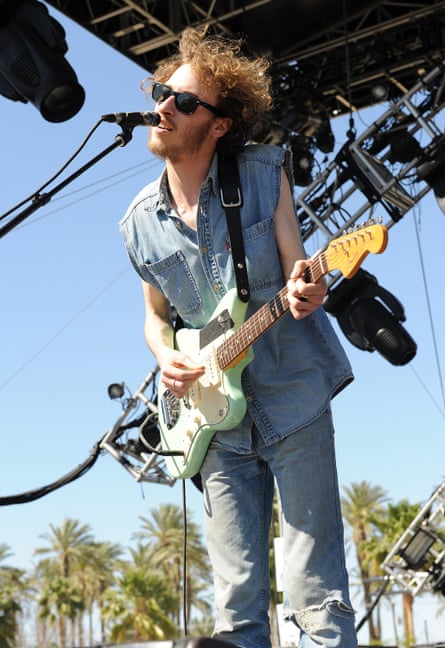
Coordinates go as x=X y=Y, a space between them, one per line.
x=116 y=391
x=370 y=317
x=374 y=179
x=403 y=146
x=380 y=92
x=32 y=61
x=438 y=575
x=302 y=159
x=432 y=171
x=416 y=551
x=325 y=138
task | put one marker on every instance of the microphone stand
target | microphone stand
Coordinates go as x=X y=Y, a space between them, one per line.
x=39 y=200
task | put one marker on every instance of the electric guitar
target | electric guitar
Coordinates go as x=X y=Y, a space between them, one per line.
x=224 y=347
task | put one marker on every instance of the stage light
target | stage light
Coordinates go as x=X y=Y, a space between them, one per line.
x=380 y=92
x=432 y=171
x=302 y=159
x=325 y=139
x=438 y=578
x=370 y=316
x=403 y=146
x=417 y=559
x=32 y=62
x=374 y=179
x=116 y=390
x=299 y=112
x=416 y=551
x=419 y=554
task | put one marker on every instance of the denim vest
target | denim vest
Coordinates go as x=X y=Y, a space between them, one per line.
x=298 y=366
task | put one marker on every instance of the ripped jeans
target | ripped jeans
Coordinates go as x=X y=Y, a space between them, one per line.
x=238 y=495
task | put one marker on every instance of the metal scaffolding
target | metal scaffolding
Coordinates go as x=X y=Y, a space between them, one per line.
x=380 y=171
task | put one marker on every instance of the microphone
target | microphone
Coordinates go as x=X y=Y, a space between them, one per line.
x=133 y=118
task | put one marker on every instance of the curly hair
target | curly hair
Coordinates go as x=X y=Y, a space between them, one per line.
x=243 y=83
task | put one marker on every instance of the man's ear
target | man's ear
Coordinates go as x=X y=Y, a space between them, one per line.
x=222 y=126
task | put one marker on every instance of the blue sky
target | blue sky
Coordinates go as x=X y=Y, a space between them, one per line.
x=72 y=315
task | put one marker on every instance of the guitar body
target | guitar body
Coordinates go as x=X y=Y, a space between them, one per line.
x=215 y=402
x=224 y=347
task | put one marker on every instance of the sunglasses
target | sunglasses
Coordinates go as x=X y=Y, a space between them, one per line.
x=184 y=101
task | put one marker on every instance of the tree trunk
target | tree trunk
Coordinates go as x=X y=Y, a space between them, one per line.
x=373 y=630
x=62 y=631
x=408 y=618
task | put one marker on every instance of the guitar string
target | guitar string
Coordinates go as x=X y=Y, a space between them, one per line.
x=260 y=321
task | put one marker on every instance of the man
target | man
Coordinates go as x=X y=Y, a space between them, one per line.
x=210 y=97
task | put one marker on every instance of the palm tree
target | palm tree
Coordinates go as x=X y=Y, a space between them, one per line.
x=361 y=505
x=390 y=526
x=9 y=607
x=9 y=610
x=139 y=555
x=95 y=573
x=67 y=545
x=60 y=601
x=140 y=607
x=164 y=536
x=5 y=551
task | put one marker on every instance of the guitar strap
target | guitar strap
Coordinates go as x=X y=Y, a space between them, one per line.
x=232 y=199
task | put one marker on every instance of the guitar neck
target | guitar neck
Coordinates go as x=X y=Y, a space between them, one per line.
x=264 y=318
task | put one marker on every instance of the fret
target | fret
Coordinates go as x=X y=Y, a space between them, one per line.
x=238 y=343
x=252 y=329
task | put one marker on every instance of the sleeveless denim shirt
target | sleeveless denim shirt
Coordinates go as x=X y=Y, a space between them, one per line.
x=298 y=366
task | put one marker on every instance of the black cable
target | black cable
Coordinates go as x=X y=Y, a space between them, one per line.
x=377 y=599
x=32 y=495
x=184 y=560
x=351 y=131
x=38 y=191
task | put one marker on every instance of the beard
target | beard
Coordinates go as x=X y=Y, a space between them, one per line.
x=189 y=145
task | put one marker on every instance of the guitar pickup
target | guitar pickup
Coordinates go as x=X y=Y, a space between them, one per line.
x=215 y=328
x=170 y=409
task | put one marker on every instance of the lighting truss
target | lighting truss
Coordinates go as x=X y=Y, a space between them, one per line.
x=131 y=437
x=365 y=173
x=417 y=560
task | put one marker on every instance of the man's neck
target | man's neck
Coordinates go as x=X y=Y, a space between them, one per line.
x=184 y=182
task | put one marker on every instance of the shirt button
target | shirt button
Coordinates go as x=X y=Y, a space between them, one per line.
x=216 y=288
x=205 y=249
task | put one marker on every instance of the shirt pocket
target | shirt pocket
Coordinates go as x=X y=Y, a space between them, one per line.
x=173 y=276
x=262 y=258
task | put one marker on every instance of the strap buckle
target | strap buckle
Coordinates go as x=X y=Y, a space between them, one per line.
x=237 y=202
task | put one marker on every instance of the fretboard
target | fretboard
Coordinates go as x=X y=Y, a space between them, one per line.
x=265 y=317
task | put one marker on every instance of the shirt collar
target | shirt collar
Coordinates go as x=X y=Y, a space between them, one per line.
x=212 y=176
x=211 y=181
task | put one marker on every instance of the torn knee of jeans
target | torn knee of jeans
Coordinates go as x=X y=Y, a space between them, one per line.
x=340 y=608
x=322 y=615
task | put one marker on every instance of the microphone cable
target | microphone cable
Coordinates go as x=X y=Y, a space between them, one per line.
x=38 y=191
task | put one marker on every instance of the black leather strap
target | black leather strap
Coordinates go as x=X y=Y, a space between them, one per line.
x=232 y=199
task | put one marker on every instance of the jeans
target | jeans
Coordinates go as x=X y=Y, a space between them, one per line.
x=238 y=496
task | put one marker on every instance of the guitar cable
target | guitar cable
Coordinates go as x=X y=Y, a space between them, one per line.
x=149 y=436
x=150 y=425
x=184 y=561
